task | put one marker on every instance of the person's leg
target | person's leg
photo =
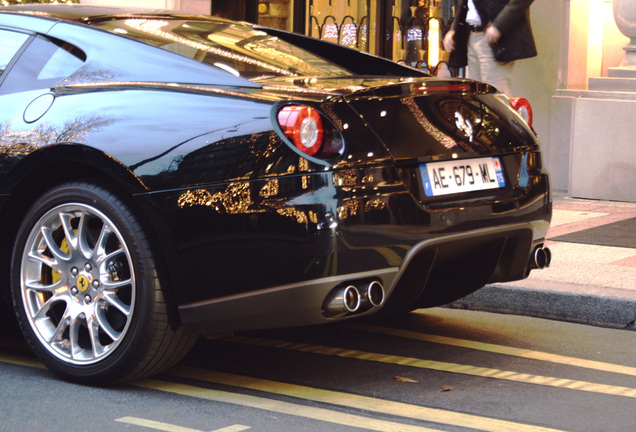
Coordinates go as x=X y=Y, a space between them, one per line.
x=473 y=70
x=498 y=74
x=482 y=65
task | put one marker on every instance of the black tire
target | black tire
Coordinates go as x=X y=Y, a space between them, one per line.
x=86 y=290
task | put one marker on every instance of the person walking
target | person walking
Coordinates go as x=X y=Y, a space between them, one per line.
x=488 y=36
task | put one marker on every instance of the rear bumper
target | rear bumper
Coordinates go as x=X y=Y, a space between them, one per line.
x=434 y=271
x=279 y=263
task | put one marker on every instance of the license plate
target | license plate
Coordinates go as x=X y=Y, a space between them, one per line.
x=466 y=175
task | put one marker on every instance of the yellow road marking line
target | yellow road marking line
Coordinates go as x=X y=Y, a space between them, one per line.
x=281 y=407
x=173 y=428
x=440 y=366
x=302 y=392
x=234 y=428
x=252 y=402
x=500 y=349
x=358 y=402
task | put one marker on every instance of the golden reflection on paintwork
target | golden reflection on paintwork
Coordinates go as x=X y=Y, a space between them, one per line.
x=348 y=209
x=263 y=155
x=439 y=136
x=234 y=200
x=374 y=204
x=346 y=178
x=368 y=179
x=270 y=189
x=293 y=213
x=303 y=165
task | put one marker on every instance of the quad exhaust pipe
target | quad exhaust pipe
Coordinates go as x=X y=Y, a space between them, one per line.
x=373 y=295
x=353 y=298
x=540 y=258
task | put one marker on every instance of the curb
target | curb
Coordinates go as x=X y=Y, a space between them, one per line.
x=597 y=310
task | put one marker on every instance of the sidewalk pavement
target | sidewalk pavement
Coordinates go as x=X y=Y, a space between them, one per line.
x=592 y=278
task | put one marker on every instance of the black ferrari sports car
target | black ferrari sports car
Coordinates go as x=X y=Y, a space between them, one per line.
x=164 y=176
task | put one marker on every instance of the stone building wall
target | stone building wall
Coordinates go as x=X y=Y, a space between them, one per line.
x=275 y=13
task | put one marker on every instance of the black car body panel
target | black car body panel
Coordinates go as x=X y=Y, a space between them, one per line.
x=254 y=232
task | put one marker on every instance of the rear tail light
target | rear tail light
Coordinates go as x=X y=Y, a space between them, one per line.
x=310 y=133
x=522 y=106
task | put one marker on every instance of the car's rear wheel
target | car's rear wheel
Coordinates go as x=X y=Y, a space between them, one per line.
x=87 y=291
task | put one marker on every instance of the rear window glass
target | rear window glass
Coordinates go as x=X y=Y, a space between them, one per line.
x=235 y=48
x=43 y=64
x=10 y=44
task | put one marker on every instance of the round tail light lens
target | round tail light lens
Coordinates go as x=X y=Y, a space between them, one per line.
x=522 y=106
x=303 y=126
x=311 y=132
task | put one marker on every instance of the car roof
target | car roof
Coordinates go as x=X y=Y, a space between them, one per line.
x=86 y=14
x=76 y=12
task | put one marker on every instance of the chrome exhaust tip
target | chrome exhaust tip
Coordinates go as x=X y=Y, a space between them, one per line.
x=375 y=294
x=342 y=301
x=541 y=258
x=351 y=298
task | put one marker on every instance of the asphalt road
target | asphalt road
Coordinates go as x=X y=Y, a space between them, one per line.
x=433 y=370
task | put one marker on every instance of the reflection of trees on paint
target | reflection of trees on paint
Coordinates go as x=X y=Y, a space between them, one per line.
x=15 y=143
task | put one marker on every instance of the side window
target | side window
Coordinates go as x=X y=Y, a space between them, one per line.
x=10 y=43
x=44 y=63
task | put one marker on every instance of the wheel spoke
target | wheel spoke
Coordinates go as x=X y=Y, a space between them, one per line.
x=74 y=327
x=37 y=286
x=69 y=232
x=42 y=259
x=111 y=285
x=113 y=300
x=58 y=334
x=39 y=309
x=82 y=231
x=52 y=247
x=93 y=324
x=99 y=251
x=113 y=254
